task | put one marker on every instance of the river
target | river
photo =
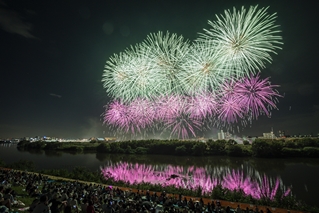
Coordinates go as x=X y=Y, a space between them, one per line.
x=300 y=175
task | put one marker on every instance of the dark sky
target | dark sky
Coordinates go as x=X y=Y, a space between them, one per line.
x=53 y=54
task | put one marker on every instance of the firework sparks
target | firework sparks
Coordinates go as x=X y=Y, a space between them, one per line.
x=245 y=37
x=166 y=81
x=257 y=95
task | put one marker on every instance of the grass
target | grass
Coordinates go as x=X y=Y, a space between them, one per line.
x=22 y=196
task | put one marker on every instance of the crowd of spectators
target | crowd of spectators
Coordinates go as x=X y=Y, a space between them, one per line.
x=52 y=196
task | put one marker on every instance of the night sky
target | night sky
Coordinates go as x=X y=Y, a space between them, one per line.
x=53 y=53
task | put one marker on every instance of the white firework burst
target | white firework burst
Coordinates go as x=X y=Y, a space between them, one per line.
x=203 y=69
x=245 y=38
x=129 y=75
x=166 y=53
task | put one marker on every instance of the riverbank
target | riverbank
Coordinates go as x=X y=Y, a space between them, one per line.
x=216 y=193
x=301 y=173
x=297 y=173
x=260 y=148
x=206 y=201
x=224 y=203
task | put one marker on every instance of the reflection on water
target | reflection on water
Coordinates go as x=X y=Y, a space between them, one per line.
x=301 y=173
x=7 y=145
x=32 y=151
x=250 y=181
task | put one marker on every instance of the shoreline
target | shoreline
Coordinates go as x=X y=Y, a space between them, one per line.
x=260 y=148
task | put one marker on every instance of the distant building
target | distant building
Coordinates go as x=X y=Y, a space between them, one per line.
x=15 y=140
x=281 y=134
x=110 y=139
x=221 y=135
x=100 y=139
x=269 y=135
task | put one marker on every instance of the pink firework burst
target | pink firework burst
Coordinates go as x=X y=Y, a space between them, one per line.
x=228 y=89
x=167 y=107
x=181 y=123
x=125 y=117
x=257 y=96
x=202 y=105
x=117 y=114
x=171 y=112
x=230 y=110
x=183 y=126
x=142 y=113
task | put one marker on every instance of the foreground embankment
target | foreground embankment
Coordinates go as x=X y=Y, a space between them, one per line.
x=206 y=201
x=264 y=148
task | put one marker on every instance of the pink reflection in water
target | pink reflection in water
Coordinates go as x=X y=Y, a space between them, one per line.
x=258 y=186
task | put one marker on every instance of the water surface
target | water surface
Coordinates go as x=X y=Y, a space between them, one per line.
x=300 y=174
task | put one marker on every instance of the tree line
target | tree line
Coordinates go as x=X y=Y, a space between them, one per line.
x=264 y=148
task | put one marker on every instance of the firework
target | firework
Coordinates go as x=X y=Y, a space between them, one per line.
x=246 y=98
x=230 y=110
x=167 y=107
x=237 y=102
x=228 y=89
x=166 y=53
x=202 y=105
x=257 y=95
x=202 y=69
x=131 y=118
x=146 y=70
x=183 y=125
x=177 y=119
x=129 y=75
x=168 y=83
x=245 y=37
x=142 y=113
x=117 y=114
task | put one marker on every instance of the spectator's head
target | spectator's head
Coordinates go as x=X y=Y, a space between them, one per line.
x=8 y=190
x=43 y=198
x=67 y=209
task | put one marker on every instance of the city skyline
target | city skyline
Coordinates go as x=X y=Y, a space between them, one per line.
x=53 y=55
